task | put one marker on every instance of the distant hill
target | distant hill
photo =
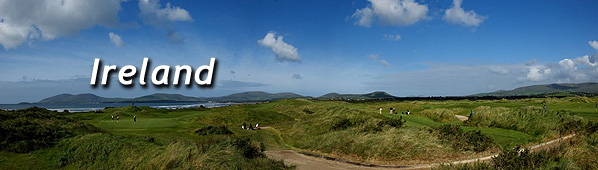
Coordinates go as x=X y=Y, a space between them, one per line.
x=254 y=96
x=373 y=95
x=79 y=98
x=546 y=89
x=163 y=97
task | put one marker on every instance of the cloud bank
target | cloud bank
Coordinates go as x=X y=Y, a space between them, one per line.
x=27 y=20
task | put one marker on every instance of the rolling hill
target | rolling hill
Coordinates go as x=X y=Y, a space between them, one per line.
x=254 y=96
x=373 y=95
x=546 y=89
x=163 y=97
x=79 y=98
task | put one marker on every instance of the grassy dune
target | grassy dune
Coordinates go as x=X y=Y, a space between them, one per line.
x=213 y=138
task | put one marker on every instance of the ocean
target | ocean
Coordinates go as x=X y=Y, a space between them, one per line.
x=86 y=107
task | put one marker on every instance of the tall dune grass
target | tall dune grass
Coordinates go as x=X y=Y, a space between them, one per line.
x=441 y=114
x=341 y=131
x=530 y=119
x=104 y=151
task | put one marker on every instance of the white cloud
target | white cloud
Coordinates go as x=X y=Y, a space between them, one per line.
x=365 y=17
x=499 y=70
x=579 y=69
x=152 y=13
x=391 y=12
x=392 y=37
x=534 y=74
x=376 y=57
x=594 y=44
x=383 y=62
x=567 y=64
x=282 y=50
x=116 y=40
x=457 y=15
x=587 y=60
x=373 y=56
x=27 y=20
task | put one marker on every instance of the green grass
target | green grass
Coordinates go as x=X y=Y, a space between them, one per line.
x=353 y=131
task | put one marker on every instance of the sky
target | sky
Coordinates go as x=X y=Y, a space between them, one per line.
x=309 y=47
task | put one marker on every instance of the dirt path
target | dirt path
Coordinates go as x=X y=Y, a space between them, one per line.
x=462 y=118
x=319 y=162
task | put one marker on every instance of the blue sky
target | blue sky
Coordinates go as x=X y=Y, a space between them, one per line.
x=403 y=47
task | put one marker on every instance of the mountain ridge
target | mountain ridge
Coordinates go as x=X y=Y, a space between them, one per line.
x=372 y=95
x=554 y=88
x=253 y=96
x=165 y=97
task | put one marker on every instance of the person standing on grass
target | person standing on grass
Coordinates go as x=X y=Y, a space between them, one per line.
x=380 y=110
x=134 y=119
x=545 y=107
x=112 y=117
x=117 y=118
x=471 y=113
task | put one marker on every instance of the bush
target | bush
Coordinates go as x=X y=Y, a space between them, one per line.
x=472 y=140
x=342 y=124
x=34 y=128
x=392 y=122
x=214 y=130
x=308 y=111
x=245 y=147
x=377 y=125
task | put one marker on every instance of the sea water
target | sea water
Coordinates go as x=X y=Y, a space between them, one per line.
x=86 y=107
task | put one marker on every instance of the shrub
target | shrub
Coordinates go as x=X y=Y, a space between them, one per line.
x=214 y=130
x=245 y=147
x=377 y=125
x=342 y=124
x=308 y=111
x=392 y=122
x=34 y=128
x=472 y=140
